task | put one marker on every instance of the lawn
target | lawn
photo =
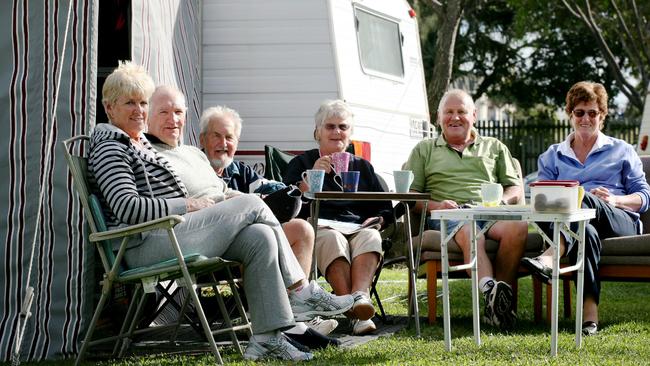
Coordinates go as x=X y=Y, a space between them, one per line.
x=624 y=313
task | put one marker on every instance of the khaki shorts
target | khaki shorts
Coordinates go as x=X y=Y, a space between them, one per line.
x=331 y=244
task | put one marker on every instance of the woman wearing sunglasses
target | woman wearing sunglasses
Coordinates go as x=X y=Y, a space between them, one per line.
x=347 y=261
x=612 y=175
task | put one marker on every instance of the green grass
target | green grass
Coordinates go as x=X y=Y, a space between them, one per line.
x=625 y=321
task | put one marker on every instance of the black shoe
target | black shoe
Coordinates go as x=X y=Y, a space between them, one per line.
x=301 y=347
x=313 y=339
x=589 y=328
x=538 y=269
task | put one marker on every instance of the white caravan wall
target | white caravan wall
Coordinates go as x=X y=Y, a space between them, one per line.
x=275 y=62
x=271 y=61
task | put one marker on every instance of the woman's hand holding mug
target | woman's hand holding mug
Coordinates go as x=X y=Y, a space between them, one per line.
x=323 y=163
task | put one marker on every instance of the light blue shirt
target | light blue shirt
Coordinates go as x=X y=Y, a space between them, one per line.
x=611 y=163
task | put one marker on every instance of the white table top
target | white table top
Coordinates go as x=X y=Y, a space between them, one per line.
x=513 y=213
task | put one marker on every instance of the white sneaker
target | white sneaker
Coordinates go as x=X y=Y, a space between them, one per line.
x=362 y=327
x=362 y=308
x=322 y=326
x=318 y=302
x=275 y=348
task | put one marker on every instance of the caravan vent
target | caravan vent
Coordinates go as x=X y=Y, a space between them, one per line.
x=421 y=128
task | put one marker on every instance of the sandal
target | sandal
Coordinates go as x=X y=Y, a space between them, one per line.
x=589 y=328
x=537 y=269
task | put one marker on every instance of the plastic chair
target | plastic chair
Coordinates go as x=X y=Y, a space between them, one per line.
x=182 y=268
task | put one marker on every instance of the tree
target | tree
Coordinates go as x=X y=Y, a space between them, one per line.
x=447 y=19
x=528 y=52
x=609 y=24
x=524 y=53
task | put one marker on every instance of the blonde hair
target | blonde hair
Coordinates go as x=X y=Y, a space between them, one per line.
x=127 y=79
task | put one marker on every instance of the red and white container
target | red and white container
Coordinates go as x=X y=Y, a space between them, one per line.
x=555 y=196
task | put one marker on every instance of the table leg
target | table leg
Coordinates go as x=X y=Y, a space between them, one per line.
x=581 y=282
x=445 y=284
x=412 y=272
x=555 y=281
x=418 y=248
x=315 y=205
x=475 y=307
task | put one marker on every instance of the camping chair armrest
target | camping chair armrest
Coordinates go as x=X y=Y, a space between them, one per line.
x=166 y=222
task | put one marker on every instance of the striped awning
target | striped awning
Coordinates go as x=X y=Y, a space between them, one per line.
x=35 y=50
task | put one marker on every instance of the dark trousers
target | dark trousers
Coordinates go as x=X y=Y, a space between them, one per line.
x=609 y=222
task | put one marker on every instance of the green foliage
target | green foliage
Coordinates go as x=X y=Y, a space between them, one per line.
x=528 y=52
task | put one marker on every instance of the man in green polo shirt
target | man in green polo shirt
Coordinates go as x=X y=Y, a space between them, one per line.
x=452 y=168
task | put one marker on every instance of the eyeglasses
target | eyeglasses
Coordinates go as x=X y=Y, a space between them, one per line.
x=592 y=113
x=340 y=126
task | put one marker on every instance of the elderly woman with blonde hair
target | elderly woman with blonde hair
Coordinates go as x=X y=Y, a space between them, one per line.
x=136 y=184
x=347 y=261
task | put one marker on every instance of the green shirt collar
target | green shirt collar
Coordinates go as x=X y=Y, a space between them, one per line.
x=478 y=139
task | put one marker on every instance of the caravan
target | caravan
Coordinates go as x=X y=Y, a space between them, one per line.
x=275 y=62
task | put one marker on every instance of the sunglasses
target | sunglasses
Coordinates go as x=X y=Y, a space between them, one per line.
x=340 y=126
x=592 y=113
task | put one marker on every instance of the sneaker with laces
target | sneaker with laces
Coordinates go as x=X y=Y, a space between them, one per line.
x=275 y=348
x=323 y=326
x=498 y=306
x=488 y=314
x=318 y=302
x=361 y=327
x=362 y=308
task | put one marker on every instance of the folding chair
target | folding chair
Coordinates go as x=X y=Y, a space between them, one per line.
x=182 y=268
x=277 y=162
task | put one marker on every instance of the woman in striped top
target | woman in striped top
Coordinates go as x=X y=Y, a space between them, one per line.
x=135 y=184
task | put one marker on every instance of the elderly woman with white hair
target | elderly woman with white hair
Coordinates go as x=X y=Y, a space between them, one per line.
x=136 y=184
x=347 y=261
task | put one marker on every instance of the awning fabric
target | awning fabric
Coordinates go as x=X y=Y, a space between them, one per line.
x=31 y=56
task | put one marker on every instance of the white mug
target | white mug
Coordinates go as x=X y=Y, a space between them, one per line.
x=403 y=180
x=314 y=179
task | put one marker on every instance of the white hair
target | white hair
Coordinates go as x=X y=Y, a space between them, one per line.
x=333 y=108
x=469 y=102
x=220 y=111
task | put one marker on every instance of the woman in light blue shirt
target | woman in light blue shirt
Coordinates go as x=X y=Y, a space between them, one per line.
x=612 y=174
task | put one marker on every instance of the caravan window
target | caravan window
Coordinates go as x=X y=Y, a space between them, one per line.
x=380 y=44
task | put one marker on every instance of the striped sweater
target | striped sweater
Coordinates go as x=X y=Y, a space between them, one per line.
x=133 y=186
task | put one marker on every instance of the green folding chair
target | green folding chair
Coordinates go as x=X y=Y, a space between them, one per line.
x=276 y=162
x=183 y=268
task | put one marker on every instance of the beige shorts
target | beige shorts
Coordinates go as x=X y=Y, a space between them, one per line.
x=331 y=244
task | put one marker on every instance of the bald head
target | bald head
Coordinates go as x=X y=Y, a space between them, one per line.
x=167 y=114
